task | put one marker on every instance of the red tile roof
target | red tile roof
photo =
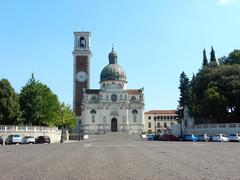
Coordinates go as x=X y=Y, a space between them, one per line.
x=134 y=91
x=92 y=91
x=161 y=112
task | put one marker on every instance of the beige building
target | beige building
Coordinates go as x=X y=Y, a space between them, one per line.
x=160 y=120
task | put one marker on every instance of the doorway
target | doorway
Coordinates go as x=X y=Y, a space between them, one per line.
x=114 y=127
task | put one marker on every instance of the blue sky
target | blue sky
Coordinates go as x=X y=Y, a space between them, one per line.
x=155 y=41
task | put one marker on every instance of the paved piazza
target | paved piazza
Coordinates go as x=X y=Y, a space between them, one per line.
x=120 y=157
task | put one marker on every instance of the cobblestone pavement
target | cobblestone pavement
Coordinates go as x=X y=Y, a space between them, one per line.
x=120 y=157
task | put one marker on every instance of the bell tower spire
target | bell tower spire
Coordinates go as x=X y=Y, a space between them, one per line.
x=81 y=68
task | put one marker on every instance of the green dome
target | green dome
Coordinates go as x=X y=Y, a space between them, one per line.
x=113 y=71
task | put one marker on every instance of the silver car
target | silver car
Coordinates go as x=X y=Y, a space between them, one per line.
x=234 y=137
x=220 y=138
x=13 y=139
x=28 y=140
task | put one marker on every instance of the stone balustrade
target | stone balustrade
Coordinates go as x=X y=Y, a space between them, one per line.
x=53 y=132
x=226 y=128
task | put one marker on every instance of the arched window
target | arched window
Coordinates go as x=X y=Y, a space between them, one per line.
x=114 y=97
x=81 y=42
x=93 y=113
x=133 y=98
x=149 y=125
x=94 y=99
x=134 y=112
x=165 y=124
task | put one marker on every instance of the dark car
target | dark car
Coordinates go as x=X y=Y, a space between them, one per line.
x=1 y=140
x=153 y=137
x=42 y=139
x=168 y=137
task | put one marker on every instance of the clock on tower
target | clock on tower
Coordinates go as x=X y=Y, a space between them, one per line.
x=81 y=60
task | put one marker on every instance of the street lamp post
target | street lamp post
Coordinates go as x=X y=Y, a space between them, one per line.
x=155 y=125
x=79 y=129
x=62 y=138
x=180 y=118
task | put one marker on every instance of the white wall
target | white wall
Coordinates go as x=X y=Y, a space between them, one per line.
x=53 y=133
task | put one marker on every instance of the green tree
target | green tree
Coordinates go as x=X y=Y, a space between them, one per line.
x=213 y=60
x=39 y=105
x=68 y=118
x=185 y=95
x=184 y=88
x=216 y=92
x=233 y=58
x=9 y=105
x=205 y=61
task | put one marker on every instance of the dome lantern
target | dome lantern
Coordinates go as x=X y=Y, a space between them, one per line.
x=113 y=71
x=112 y=56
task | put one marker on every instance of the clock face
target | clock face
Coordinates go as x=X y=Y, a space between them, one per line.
x=81 y=76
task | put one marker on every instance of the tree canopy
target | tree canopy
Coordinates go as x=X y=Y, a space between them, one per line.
x=35 y=105
x=215 y=90
x=38 y=104
x=9 y=106
x=68 y=118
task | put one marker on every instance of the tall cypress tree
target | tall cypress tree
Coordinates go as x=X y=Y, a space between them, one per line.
x=213 y=60
x=184 y=88
x=205 y=61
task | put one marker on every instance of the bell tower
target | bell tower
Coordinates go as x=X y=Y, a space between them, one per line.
x=81 y=68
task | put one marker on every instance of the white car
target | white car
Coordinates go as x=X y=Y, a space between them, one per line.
x=143 y=136
x=234 y=137
x=28 y=140
x=13 y=139
x=220 y=138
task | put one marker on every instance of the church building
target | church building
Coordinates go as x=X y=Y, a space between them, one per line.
x=113 y=107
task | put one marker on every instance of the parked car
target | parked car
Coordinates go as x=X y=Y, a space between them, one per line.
x=220 y=138
x=153 y=136
x=42 y=139
x=234 y=138
x=189 y=137
x=143 y=135
x=1 y=140
x=28 y=140
x=168 y=137
x=204 y=137
x=13 y=139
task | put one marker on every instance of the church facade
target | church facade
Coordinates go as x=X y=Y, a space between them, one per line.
x=112 y=107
